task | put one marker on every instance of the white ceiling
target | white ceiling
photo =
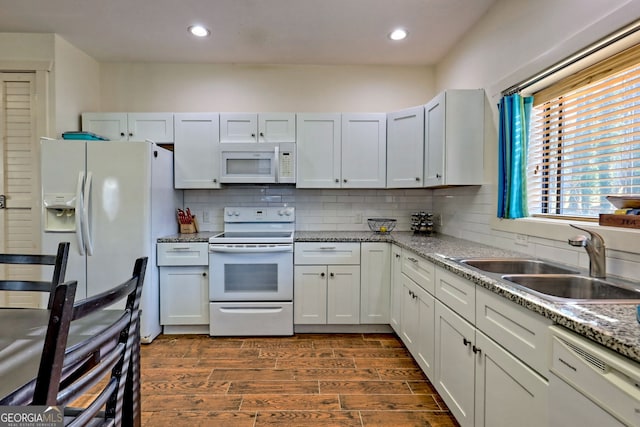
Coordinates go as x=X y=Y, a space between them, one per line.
x=251 y=31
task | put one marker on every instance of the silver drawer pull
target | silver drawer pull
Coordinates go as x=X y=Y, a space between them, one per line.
x=327 y=247
x=186 y=248
x=412 y=259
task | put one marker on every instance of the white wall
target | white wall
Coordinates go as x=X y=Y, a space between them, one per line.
x=76 y=87
x=513 y=41
x=262 y=88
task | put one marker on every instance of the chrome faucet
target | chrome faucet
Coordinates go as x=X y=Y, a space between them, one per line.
x=594 y=245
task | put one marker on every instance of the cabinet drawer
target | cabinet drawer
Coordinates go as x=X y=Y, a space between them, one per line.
x=522 y=332
x=419 y=269
x=191 y=253
x=326 y=253
x=457 y=293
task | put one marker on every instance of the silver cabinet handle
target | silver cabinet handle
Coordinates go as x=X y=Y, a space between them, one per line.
x=465 y=341
x=325 y=248
x=412 y=259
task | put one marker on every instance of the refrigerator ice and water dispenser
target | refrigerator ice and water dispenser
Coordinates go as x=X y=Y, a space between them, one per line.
x=60 y=212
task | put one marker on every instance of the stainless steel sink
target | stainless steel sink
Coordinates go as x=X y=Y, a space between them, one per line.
x=515 y=266
x=576 y=288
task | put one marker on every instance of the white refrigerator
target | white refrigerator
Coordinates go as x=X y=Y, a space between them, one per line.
x=111 y=200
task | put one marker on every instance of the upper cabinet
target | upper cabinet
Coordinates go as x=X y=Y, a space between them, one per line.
x=196 y=153
x=364 y=150
x=454 y=138
x=341 y=151
x=405 y=148
x=157 y=127
x=318 y=153
x=252 y=127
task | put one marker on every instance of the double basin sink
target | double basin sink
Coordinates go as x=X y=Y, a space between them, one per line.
x=556 y=283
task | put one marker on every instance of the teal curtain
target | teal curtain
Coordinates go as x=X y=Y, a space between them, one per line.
x=513 y=142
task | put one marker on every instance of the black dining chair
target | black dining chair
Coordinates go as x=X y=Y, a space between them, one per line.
x=58 y=261
x=93 y=371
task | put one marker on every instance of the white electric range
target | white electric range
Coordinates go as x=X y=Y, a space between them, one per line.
x=251 y=272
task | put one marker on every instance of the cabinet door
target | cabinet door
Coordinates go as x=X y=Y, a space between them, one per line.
x=156 y=127
x=110 y=125
x=196 y=151
x=310 y=294
x=277 y=127
x=434 y=140
x=238 y=127
x=343 y=294
x=410 y=323
x=395 y=307
x=405 y=148
x=418 y=325
x=184 y=295
x=455 y=363
x=508 y=393
x=364 y=150
x=318 y=150
x=375 y=274
x=454 y=138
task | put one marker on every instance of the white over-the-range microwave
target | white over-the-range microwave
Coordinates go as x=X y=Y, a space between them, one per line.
x=258 y=163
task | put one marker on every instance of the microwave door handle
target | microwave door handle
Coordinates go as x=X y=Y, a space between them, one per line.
x=276 y=156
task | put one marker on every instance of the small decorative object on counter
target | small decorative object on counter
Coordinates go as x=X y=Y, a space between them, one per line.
x=381 y=225
x=422 y=223
x=187 y=222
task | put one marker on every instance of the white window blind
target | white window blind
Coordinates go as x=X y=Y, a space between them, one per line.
x=585 y=140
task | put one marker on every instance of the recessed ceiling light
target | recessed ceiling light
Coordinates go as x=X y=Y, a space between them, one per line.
x=199 y=31
x=398 y=34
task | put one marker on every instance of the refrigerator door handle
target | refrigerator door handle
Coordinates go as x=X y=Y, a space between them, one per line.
x=79 y=207
x=86 y=227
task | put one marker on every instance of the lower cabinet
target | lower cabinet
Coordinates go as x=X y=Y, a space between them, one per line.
x=326 y=294
x=184 y=287
x=417 y=324
x=454 y=374
x=396 y=292
x=375 y=289
x=482 y=383
x=184 y=295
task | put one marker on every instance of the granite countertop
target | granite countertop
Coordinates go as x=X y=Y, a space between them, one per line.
x=612 y=325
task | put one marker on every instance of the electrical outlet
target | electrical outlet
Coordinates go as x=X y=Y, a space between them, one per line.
x=358 y=218
x=522 y=240
x=206 y=218
x=437 y=220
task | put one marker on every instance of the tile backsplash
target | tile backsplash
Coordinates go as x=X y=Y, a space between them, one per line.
x=316 y=209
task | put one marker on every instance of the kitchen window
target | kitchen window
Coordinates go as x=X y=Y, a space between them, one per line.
x=585 y=139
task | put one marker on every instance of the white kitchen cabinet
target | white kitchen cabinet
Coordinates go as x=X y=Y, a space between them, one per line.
x=454 y=138
x=454 y=373
x=341 y=151
x=508 y=393
x=185 y=295
x=253 y=127
x=395 y=305
x=157 y=127
x=417 y=324
x=375 y=276
x=196 y=150
x=405 y=148
x=326 y=294
x=184 y=287
x=419 y=270
x=364 y=150
x=326 y=283
x=319 y=145
x=494 y=376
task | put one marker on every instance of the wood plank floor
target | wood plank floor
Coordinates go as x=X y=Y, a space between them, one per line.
x=304 y=380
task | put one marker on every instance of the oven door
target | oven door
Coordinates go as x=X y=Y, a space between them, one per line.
x=251 y=272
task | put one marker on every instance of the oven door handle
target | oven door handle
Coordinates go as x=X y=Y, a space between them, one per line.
x=248 y=250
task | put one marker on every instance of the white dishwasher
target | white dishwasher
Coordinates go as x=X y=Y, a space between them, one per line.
x=590 y=385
